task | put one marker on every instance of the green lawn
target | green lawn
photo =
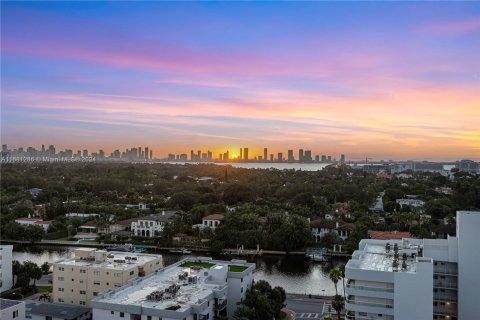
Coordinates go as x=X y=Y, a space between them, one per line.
x=190 y=264
x=235 y=268
x=43 y=289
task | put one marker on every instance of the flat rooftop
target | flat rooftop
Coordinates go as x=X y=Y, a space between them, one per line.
x=54 y=310
x=6 y=303
x=375 y=256
x=180 y=274
x=111 y=260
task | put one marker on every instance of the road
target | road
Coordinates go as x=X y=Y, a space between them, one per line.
x=308 y=308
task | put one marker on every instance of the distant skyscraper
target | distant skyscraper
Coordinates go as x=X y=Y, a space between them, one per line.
x=324 y=158
x=245 y=154
x=209 y=155
x=85 y=153
x=342 y=158
x=241 y=153
x=300 y=155
x=139 y=152
x=265 y=153
x=192 y=155
x=271 y=157
x=151 y=154
x=51 y=151
x=307 y=156
x=226 y=156
x=4 y=147
x=317 y=158
x=199 y=155
x=280 y=157
x=329 y=158
x=291 y=158
x=146 y=153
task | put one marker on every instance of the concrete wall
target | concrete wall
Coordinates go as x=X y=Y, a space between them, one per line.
x=6 y=268
x=468 y=226
x=413 y=293
x=18 y=309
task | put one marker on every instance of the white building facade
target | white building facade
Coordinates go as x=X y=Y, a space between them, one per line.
x=191 y=289
x=416 y=279
x=152 y=225
x=12 y=309
x=6 y=277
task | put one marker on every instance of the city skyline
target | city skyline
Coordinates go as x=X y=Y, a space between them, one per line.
x=378 y=80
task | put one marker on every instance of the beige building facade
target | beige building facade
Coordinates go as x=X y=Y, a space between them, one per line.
x=80 y=279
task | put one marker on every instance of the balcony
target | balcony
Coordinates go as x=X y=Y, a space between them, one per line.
x=370 y=304
x=368 y=288
x=352 y=316
x=445 y=311
x=444 y=284
x=445 y=271
x=220 y=305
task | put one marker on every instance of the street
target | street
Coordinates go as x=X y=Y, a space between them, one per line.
x=308 y=308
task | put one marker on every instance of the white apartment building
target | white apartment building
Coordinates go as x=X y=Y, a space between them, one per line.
x=6 y=277
x=212 y=221
x=191 y=289
x=414 y=203
x=12 y=310
x=417 y=279
x=80 y=279
x=152 y=225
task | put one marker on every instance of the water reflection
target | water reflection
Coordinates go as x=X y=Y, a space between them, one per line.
x=293 y=273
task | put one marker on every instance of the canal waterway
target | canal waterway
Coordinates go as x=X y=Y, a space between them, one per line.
x=292 y=272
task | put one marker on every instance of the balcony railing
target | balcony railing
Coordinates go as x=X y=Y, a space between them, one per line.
x=222 y=304
x=443 y=284
x=369 y=288
x=445 y=311
x=449 y=271
x=370 y=304
x=445 y=298
x=349 y=317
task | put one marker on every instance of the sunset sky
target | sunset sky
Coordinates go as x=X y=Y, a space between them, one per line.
x=378 y=79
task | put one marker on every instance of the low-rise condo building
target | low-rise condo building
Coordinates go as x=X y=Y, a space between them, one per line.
x=6 y=276
x=416 y=279
x=194 y=288
x=80 y=279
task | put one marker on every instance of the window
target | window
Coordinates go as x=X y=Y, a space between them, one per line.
x=83 y=292
x=241 y=290
x=61 y=289
x=97 y=283
x=241 y=280
x=149 y=317
x=82 y=303
x=82 y=280
x=118 y=274
x=96 y=273
x=61 y=278
x=83 y=270
x=95 y=294
x=15 y=314
x=61 y=300
x=61 y=269
x=112 y=312
x=122 y=314
x=132 y=272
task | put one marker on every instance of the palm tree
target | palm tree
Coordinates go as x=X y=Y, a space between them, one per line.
x=341 y=267
x=335 y=275
x=338 y=303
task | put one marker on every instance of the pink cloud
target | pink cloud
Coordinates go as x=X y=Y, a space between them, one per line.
x=453 y=27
